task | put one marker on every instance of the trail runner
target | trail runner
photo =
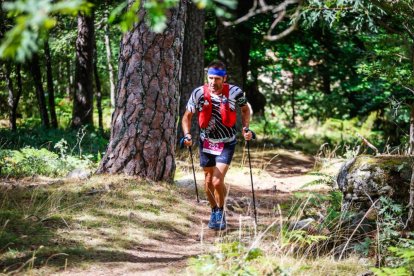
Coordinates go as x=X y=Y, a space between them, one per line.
x=216 y=103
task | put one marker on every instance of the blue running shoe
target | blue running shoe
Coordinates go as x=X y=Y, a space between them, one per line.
x=212 y=223
x=220 y=219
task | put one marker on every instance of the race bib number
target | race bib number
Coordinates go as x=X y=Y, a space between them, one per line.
x=212 y=148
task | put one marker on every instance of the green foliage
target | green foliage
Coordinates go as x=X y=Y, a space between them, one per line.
x=30 y=161
x=397 y=252
x=126 y=15
x=301 y=238
x=275 y=129
x=32 y=19
x=232 y=259
x=364 y=247
x=92 y=142
x=334 y=11
x=125 y=18
x=405 y=266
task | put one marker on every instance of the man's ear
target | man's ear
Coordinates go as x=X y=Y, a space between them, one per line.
x=225 y=78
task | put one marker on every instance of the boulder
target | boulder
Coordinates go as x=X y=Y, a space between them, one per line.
x=365 y=178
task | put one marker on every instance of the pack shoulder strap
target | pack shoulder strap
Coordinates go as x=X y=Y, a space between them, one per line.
x=226 y=90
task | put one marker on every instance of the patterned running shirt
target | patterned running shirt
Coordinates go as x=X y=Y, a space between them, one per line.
x=216 y=130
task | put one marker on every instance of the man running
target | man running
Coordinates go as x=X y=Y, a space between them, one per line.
x=216 y=105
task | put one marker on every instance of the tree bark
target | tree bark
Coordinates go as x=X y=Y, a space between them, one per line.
x=144 y=121
x=83 y=91
x=410 y=219
x=34 y=68
x=193 y=63
x=109 y=62
x=50 y=87
x=98 y=87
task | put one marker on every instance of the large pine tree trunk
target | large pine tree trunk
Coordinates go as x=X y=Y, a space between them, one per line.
x=50 y=87
x=83 y=91
x=144 y=121
x=193 y=63
x=34 y=67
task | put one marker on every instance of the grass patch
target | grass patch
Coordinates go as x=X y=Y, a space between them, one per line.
x=55 y=227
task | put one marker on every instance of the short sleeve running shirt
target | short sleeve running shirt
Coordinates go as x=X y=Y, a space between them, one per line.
x=216 y=129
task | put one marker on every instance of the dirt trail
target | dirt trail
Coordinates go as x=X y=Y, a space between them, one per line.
x=283 y=174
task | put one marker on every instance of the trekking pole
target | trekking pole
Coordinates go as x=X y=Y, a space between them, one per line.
x=251 y=178
x=195 y=181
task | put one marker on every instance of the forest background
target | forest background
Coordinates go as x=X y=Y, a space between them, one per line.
x=315 y=72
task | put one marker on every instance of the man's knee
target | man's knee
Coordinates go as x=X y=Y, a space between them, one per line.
x=217 y=181
x=208 y=177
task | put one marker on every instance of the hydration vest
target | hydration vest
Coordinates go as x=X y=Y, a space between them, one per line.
x=228 y=116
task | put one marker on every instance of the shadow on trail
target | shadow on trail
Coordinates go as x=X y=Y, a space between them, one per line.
x=57 y=228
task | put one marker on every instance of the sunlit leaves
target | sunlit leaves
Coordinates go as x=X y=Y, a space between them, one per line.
x=125 y=16
x=333 y=11
x=157 y=10
x=32 y=17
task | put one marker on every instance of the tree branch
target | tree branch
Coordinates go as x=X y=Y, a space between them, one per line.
x=287 y=31
x=279 y=11
x=366 y=142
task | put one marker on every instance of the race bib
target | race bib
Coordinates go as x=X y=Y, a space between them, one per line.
x=212 y=148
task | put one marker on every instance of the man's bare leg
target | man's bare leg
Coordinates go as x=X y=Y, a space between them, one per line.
x=209 y=187
x=220 y=190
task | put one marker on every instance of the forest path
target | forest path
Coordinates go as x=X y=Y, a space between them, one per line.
x=276 y=177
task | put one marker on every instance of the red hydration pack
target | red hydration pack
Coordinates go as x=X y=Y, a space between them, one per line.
x=228 y=116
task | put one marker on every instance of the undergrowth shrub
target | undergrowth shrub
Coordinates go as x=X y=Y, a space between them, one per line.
x=233 y=258
x=84 y=141
x=396 y=245
x=29 y=161
x=309 y=135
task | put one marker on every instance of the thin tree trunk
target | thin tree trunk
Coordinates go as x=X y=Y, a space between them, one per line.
x=69 y=76
x=109 y=61
x=410 y=219
x=10 y=101
x=234 y=47
x=192 y=74
x=50 y=87
x=34 y=67
x=98 y=87
x=83 y=93
x=293 y=106
x=143 y=133
x=14 y=94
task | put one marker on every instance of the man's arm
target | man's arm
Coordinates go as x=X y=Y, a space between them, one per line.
x=186 y=126
x=245 y=113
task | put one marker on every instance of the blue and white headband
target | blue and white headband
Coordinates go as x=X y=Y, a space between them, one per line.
x=217 y=72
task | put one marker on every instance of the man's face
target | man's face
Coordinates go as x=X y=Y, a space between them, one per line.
x=215 y=83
